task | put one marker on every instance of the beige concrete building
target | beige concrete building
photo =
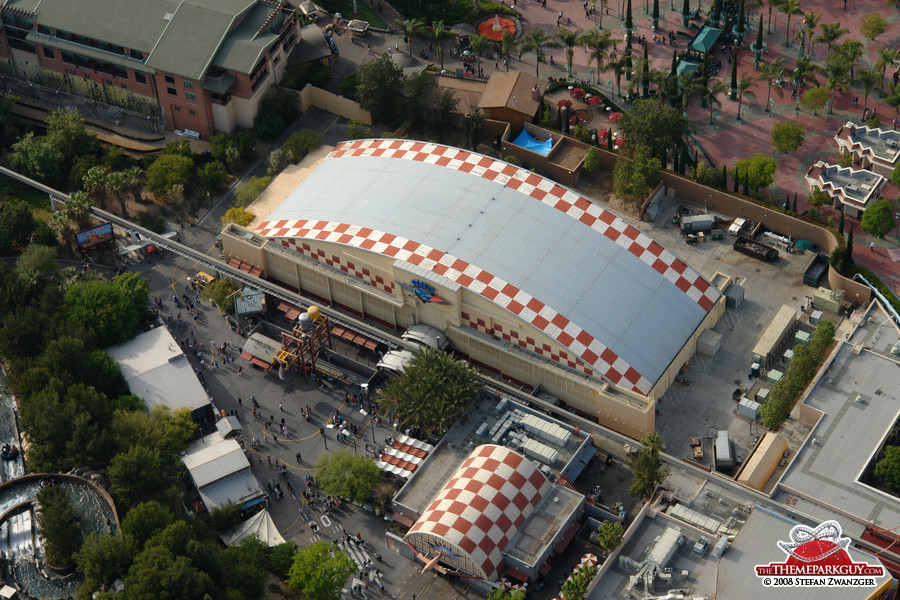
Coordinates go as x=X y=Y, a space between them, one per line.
x=528 y=279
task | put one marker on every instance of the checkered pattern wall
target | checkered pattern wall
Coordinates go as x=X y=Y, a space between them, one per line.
x=364 y=273
x=580 y=344
x=481 y=508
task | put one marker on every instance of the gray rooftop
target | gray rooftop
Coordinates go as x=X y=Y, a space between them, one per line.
x=578 y=272
x=884 y=143
x=158 y=371
x=850 y=432
x=754 y=545
x=181 y=37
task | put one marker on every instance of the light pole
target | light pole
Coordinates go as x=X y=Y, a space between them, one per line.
x=743 y=112
x=715 y=117
x=797 y=107
x=771 y=105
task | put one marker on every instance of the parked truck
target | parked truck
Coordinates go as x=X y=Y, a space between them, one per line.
x=697 y=223
x=745 y=245
x=816 y=270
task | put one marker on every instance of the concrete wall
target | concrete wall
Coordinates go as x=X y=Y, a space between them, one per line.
x=313 y=96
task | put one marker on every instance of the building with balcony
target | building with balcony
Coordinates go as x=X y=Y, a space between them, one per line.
x=206 y=64
x=852 y=188
x=875 y=149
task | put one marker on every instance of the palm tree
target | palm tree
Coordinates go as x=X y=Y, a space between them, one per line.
x=868 y=79
x=655 y=15
x=78 y=208
x=690 y=86
x=133 y=177
x=791 y=7
x=535 y=41
x=437 y=34
x=115 y=185
x=853 y=50
x=598 y=46
x=508 y=44
x=743 y=87
x=618 y=67
x=712 y=96
x=886 y=56
x=836 y=72
x=770 y=74
x=893 y=98
x=569 y=39
x=95 y=181
x=830 y=33
x=812 y=21
x=479 y=44
x=410 y=28
x=772 y=4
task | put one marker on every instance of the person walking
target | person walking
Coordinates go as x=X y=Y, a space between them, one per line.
x=299 y=460
x=280 y=407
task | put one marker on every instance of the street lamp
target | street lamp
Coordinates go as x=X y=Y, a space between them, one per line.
x=771 y=105
x=797 y=107
x=743 y=113
x=715 y=117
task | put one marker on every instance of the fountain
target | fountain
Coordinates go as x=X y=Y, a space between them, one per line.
x=25 y=563
x=493 y=27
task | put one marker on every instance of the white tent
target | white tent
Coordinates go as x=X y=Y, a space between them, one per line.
x=260 y=525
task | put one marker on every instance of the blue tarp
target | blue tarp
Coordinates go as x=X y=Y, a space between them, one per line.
x=529 y=143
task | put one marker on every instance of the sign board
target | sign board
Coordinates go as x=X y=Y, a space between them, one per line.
x=90 y=238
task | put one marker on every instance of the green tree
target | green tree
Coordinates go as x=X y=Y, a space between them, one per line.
x=437 y=33
x=442 y=117
x=473 y=128
x=320 y=571
x=222 y=292
x=431 y=393
x=598 y=44
x=788 y=135
x=159 y=575
x=115 y=188
x=886 y=58
x=818 y=197
x=244 y=566
x=815 y=99
x=37 y=264
x=536 y=40
x=837 y=74
x=212 y=176
x=575 y=587
x=653 y=126
x=113 y=309
x=349 y=86
x=277 y=109
x=873 y=25
x=103 y=559
x=591 y=160
x=143 y=522
x=868 y=79
x=281 y=557
x=158 y=428
x=759 y=171
x=300 y=143
x=887 y=469
x=647 y=468
x=770 y=73
x=58 y=526
x=140 y=474
x=252 y=187
x=348 y=475
x=35 y=157
x=167 y=171
x=609 y=535
x=379 y=82
x=791 y=8
x=878 y=218
x=420 y=92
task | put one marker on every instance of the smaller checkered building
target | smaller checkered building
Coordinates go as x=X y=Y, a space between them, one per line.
x=480 y=510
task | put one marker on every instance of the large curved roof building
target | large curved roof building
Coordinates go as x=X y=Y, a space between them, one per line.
x=510 y=260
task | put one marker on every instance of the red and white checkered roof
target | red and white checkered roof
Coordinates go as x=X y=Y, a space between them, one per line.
x=483 y=506
x=603 y=359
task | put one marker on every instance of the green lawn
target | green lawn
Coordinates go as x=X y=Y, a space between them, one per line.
x=345 y=7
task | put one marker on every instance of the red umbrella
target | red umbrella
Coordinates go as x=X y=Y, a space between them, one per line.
x=615 y=116
x=565 y=102
x=595 y=101
x=578 y=93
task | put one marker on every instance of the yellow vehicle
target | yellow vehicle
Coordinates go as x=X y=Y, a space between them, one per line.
x=201 y=279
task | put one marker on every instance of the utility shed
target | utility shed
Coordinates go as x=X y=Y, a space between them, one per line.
x=709 y=343
x=829 y=300
x=774 y=335
x=763 y=462
x=724 y=452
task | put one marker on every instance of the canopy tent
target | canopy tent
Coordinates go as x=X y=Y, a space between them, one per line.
x=529 y=143
x=260 y=525
x=705 y=39
x=685 y=67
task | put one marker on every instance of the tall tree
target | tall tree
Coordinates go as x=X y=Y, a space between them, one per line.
x=812 y=21
x=348 y=475
x=868 y=79
x=569 y=39
x=411 y=28
x=770 y=73
x=791 y=8
x=836 y=72
x=886 y=57
x=830 y=34
x=655 y=15
x=647 y=468
x=437 y=34
x=598 y=45
x=878 y=218
x=379 y=81
x=536 y=40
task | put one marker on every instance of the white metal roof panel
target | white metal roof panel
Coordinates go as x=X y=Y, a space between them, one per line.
x=215 y=462
x=627 y=302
